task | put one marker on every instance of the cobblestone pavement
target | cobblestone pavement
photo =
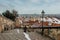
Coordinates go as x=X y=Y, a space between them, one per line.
x=36 y=36
x=14 y=35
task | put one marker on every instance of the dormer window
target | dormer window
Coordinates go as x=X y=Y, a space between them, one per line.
x=56 y=21
x=53 y=21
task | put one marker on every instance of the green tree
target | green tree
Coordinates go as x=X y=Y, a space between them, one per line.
x=10 y=15
x=15 y=13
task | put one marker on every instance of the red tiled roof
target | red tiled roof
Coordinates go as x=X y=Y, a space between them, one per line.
x=45 y=24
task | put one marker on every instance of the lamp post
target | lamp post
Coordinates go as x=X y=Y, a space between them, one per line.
x=42 y=13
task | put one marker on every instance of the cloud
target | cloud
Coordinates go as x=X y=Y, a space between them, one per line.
x=35 y=1
x=31 y=6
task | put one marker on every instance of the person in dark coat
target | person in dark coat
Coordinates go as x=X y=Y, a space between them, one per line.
x=25 y=29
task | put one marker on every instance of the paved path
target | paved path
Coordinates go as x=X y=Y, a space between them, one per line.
x=12 y=35
x=18 y=35
x=36 y=36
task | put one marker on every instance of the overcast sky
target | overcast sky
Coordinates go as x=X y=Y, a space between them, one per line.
x=31 y=6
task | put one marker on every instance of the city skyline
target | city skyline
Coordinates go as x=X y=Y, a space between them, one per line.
x=31 y=6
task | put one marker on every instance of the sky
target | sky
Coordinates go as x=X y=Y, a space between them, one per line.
x=31 y=6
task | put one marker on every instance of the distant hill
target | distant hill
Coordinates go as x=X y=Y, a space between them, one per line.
x=38 y=15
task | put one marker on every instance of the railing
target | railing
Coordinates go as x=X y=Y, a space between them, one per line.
x=58 y=27
x=44 y=27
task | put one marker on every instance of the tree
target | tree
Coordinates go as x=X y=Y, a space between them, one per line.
x=10 y=15
x=15 y=13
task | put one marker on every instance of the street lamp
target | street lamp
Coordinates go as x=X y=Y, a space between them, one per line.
x=42 y=13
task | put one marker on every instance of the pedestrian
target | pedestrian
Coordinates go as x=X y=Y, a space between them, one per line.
x=25 y=28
